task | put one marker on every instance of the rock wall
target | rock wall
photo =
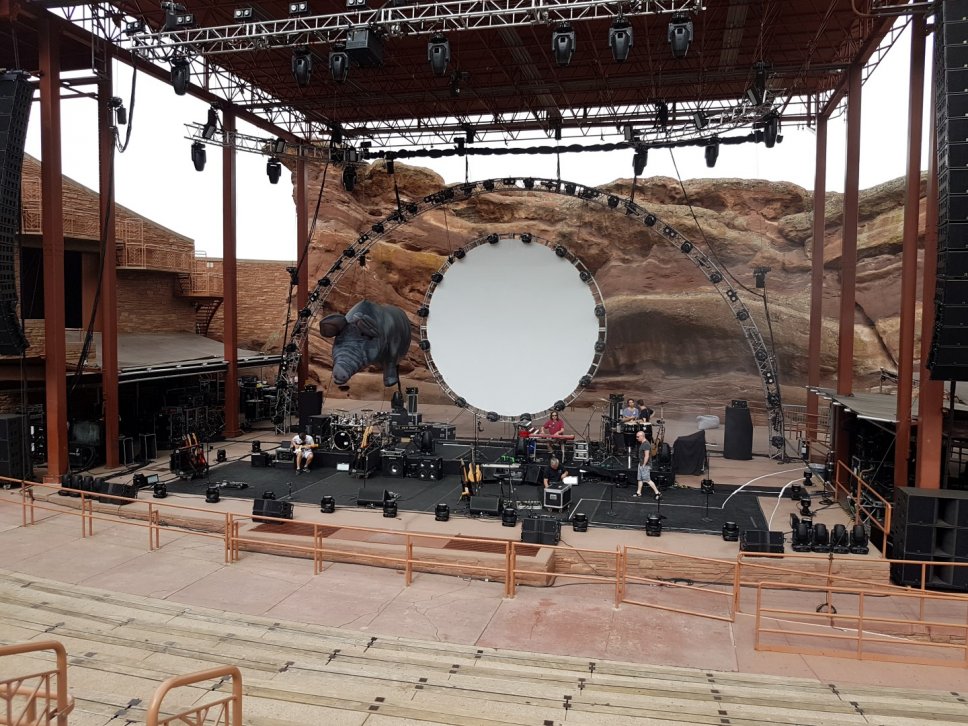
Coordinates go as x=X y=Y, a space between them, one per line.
x=670 y=335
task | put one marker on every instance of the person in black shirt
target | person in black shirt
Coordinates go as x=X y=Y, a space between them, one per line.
x=553 y=474
x=645 y=466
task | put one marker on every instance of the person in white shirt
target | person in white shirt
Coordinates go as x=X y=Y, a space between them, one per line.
x=302 y=447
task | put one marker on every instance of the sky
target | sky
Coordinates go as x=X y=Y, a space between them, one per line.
x=155 y=176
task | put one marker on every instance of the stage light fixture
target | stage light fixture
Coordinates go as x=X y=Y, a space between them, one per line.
x=707 y=486
x=712 y=154
x=176 y=17
x=461 y=402
x=759 y=276
x=423 y=311
x=243 y=15
x=559 y=406
x=650 y=220
x=438 y=53
x=198 y=156
x=579 y=522
x=839 y=540
x=570 y=188
x=441 y=513
x=529 y=183
x=599 y=311
x=805 y=505
x=731 y=295
x=390 y=166
x=561 y=251
x=730 y=532
x=436 y=278
x=612 y=201
x=563 y=44
x=639 y=160
x=585 y=276
x=160 y=490
x=680 y=35
x=349 y=178
x=599 y=346
x=653 y=526
x=488 y=185
x=661 y=114
x=796 y=491
x=302 y=67
x=273 y=170
x=620 y=39
x=120 y=112
x=424 y=345
x=584 y=381
x=859 y=540
x=181 y=75
x=389 y=508
x=212 y=495
x=526 y=238
x=700 y=120
x=339 y=63
x=493 y=239
x=327 y=505
x=756 y=93
x=221 y=456
x=211 y=125
x=685 y=248
x=771 y=130
x=134 y=27
x=509 y=517
x=256 y=447
x=743 y=315
x=715 y=278
x=298 y=8
x=493 y=417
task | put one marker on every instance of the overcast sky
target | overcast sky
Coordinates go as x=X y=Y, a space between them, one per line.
x=155 y=176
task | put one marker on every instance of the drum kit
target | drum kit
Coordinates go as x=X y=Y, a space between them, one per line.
x=352 y=432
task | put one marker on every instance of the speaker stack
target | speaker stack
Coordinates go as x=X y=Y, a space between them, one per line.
x=310 y=406
x=948 y=358
x=738 y=437
x=541 y=530
x=14 y=457
x=931 y=525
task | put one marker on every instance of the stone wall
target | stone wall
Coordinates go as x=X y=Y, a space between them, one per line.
x=147 y=304
x=263 y=296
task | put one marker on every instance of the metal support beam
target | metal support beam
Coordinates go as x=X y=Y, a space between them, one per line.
x=930 y=392
x=230 y=290
x=52 y=226
x=109 y=275
x=909 y=255
x=302 y=260
x=848 y=255
x=816 y=278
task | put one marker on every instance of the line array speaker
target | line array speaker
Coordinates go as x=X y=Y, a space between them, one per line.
x=930 y=525
x=541 y=530
x=14 y=458
x=270 y=508
x=738 y=437
x=310 y=405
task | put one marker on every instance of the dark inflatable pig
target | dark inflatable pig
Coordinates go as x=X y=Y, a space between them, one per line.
x=369 y=334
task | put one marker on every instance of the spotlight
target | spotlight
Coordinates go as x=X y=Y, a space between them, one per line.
x=730 y=532
x=211 y=125
x=599 y=346
x=493 y=417
x=563 y=44
x=529 y=183
x=839 y=541
x=680 y=35
x=612 y=201
x=700 y=120
x=134 y=27
x=526 y=238
x=423 y=311
x=560 y=251
x=436 y=278
x=176 y=17
x=493 y=239
x=327 y=505
x=390 y=166
x=585 y=381
x=355 y=4
x=198 y=156
x=256 y=447
x=273 y=170
x=707 y=486
x=302 y=67
x=438 y=53
x=715 y=278
x=298 y=8
x=771 y=130
x=488 y=185
x=220 y=456
x=653 y=526
x=181 y=75
x=712 y=153
x=756 y=93
x=858 y=540
x=559 y=406
x=650 y=220
x=802 y=534
x=585 y=276
x=620 y=40
x=599 y=311
x=805 y=505
x=339 y=63
x=244 y=15
x=424 y=345
x=570 y=188
x=461 y=402
x=639 y=161
x=389 y=508
x=743 y=315
x=796 y=491
x=160 y=490
x=686 y=247
x=807 y=478
x=579 y=522
x=661 y=114
x=821 y=538
x=212 y=495
x=120 y=113
x=441 y=513
x=509 y=517
x=349 y=178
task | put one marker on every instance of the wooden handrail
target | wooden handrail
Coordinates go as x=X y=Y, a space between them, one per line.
x=12 y=688
x=229 y=707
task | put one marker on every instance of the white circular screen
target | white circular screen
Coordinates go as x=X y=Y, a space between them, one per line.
x=512 y=327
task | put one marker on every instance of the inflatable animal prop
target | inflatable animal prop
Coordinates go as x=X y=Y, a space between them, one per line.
x=369 y=334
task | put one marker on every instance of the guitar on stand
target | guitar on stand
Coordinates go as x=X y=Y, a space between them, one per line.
x=471 y=475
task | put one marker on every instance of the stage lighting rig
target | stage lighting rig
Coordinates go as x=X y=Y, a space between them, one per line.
x=712 y=153
x=298 y=9
x=680 y=35
x=620 y=39
x=640 y=159
x=302 y=67
x=120 y=112
x=700 y=120
x=211 y=124
x=198 y=156
x=177 y=17
x=771 y=130
x=134 y=27
x=181 y=75
x=438 y=54
x=662 y=115
x=273 y=170
x=563 y=44
x=339 y=63
x=756 y=93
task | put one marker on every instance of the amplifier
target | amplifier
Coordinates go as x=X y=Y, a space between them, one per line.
x=393 y=463
x=443 y=432
x=261 y=459
x=430 y=469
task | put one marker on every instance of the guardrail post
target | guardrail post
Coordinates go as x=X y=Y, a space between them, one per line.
x=860 y=626
x=507 y=568
x=737 y=584
x=409 y=564
x=618 y=576
x=756 y=621
x=228 y=537
x=512 y=569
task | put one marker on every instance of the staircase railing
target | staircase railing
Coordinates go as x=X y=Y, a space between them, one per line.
x=33 y=699
x=226 y=710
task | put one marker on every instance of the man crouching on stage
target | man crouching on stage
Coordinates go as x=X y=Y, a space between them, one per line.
x=302 y=447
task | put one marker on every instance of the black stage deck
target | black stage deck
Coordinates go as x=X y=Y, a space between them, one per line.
x=604 y=503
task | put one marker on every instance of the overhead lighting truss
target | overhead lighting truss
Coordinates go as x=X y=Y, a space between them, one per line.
x=391 y=21
x=257 y=144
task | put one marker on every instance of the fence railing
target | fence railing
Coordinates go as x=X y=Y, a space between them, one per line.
x=222 y=711
x=37 y=697
x=852 y=491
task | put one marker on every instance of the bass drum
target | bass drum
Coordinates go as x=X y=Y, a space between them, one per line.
x=343 y=440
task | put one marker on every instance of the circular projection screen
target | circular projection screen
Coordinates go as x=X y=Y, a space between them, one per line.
x=512 y=325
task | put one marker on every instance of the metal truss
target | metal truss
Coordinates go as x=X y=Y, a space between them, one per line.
x=279 y=148
x=416 y=19
x=407 y=211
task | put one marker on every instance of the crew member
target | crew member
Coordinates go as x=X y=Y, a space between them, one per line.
x=554 y=473
x=302 y=447
x=630 y=413
x=645 y=466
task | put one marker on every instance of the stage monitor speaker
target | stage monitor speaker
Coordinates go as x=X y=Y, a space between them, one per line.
x=761 y=540
x=310 y=404
x=490 y=506
x=117 y=489
x=394 y=464
x=541 y=530
x=15 y=96
x=371 y=497
x=321 y=427
x=431 y=468
x=270 y=508
x=533 y=474
x=738 y=437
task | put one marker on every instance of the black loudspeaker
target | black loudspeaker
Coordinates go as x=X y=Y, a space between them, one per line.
x=371 y=497
x=394 y=464
x=310 y=404
x=541 y=530
x=486 y=505
x=117 y=489
x=149 y=447
x=270 y=508
x=261 y=459
x=948 y=356
x=932 y=526
x=14 y=460
x=430 y=468
x=738 y=437
x=15 y=95
x=320 y=427
x=760 y=540
x=533 y=474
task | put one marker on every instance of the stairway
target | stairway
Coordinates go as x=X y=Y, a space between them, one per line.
x=121 y=647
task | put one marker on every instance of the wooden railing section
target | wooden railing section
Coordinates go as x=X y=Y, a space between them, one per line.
x=222 y=711
x=33 y=699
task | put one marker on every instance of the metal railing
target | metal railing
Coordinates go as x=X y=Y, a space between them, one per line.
x=37 y=698
x=851 y=486
x=225 y=710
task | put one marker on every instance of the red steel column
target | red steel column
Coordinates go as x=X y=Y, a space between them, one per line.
x=52 y=225
x=109 y=277
x=848 y=255
x=816 y=277
x=230 y=293
x=909 y=255
x=302 y=259
x=930 y=393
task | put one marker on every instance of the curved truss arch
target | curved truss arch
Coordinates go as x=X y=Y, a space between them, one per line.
x=407 y=211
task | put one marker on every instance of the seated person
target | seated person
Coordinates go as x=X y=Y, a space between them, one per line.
x=553 y=426
x=302 y=449
x=630 y=413
x=553 y=474
x=645 y=416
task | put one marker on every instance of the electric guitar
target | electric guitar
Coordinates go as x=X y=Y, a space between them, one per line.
x=471 y=475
